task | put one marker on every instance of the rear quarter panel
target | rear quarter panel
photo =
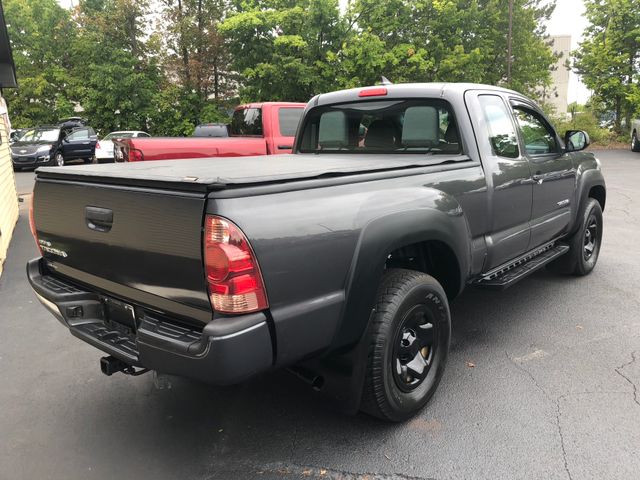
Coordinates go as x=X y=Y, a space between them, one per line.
x=322 y=250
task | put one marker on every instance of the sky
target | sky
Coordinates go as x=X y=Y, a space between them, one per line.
x=568 y=18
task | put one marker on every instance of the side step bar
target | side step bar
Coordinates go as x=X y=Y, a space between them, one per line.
x=505 y=276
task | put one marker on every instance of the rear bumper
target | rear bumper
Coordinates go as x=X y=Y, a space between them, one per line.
x=104 y=157
x=225 y=351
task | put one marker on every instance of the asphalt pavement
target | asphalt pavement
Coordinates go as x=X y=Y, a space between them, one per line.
x=542 y=383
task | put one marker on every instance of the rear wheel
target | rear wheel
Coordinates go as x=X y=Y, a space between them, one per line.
x=408 y=347
x=635 y=144
x=584 y=244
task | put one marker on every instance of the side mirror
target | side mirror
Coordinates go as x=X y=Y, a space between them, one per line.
x=576 y=140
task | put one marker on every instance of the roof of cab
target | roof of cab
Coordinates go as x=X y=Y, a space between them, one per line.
x=406 y=90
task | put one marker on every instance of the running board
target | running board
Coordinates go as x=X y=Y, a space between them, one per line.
x=504 y=277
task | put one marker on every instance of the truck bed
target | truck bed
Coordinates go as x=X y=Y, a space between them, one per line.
x=204 y=174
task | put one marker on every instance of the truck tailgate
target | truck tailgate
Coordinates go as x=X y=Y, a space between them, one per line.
x=139 y=244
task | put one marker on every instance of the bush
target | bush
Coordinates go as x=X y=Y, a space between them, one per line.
x=588 y=122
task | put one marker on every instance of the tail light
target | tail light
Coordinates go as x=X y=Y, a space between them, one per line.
x=135 y=155
x=233 y=275
x=98 y=147
x=32 y=224
x=373 y=92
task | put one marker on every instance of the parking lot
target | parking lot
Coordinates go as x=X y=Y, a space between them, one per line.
x=542 y=382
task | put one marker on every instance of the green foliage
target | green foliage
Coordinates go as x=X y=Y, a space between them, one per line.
x=584 y=119
x=114 y=85
x=281 y=47
x=292 y=50
x=40 y=32
x=201 y=56
x=608 y=57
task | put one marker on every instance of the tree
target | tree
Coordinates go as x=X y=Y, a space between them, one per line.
x=115 y=73
x=405 y=40
x=197 y=57
x=283 y=49
x=41 y=33
x=608 y=57
x=458 y=40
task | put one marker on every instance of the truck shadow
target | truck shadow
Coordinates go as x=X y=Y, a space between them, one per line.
x=278 y=420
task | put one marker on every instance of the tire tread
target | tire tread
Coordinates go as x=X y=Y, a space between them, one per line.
x=394 y=283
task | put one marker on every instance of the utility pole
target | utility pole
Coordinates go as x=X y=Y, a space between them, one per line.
x=510 y=43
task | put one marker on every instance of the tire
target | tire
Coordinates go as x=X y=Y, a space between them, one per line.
x=584 y=248
x=58 y=159
x=407 y=302
x=635 y=144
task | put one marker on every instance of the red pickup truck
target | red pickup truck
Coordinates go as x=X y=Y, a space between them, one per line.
x=256 y=129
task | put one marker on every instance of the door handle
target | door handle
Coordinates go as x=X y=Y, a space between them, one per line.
x=99 y=219
x=285 y=147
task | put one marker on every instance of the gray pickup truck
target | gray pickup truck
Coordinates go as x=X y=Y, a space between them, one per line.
x=338 y=261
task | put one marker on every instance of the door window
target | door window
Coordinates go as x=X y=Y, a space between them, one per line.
x=502 y=132
x=82 y=134
x=539 y=138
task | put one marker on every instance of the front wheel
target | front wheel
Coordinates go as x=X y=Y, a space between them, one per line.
x=408 y=347
x=58 y=159
x=584 y=244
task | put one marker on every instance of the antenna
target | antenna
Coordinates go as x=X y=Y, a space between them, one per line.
x=385 y=81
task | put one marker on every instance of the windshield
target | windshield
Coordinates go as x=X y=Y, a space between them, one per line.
x=387 y=126
x=119 y=135
x=40 y=135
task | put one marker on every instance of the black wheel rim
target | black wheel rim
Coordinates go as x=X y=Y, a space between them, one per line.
x=414 y=348
x=590 y=247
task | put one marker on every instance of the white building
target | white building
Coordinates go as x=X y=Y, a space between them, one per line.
x=8 y=195
x=557 y=95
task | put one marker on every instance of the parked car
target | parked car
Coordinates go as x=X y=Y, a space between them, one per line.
x=15 y=134
x=104 y=148
x=218 y=130
x=635 y=135
x=256 y=129
x=54 y=145
x=339 y=261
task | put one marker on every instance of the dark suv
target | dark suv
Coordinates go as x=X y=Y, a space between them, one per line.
x=72 y=139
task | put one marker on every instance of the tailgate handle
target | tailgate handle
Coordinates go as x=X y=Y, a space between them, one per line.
x=99 y=219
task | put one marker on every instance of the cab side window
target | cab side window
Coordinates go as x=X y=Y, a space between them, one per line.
x=539 y=138
x=502 y=132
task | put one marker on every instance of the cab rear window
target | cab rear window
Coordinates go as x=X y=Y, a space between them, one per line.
x=246 y=122
x=388 y=126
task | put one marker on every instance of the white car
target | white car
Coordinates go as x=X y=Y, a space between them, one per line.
x=104 y=148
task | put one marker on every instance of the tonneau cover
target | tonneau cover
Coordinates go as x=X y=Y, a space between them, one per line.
x=221 y=172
